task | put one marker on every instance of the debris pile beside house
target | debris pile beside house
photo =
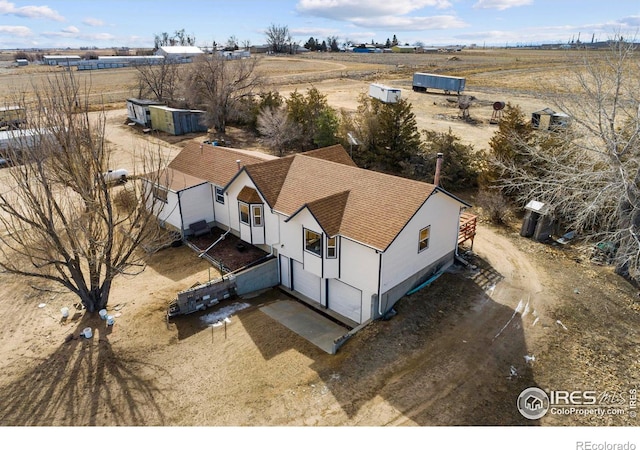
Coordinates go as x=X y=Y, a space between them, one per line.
x=200 y=297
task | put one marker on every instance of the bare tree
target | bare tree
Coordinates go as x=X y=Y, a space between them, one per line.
x=219 y=85
x=159 y=80
x=61 y=218
x=590 y=171
x=278 y=38
x=278 y=130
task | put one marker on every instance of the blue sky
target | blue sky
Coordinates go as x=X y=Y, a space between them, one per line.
x=133 y=23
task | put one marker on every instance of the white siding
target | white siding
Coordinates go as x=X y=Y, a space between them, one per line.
x=402 y=259
x=196 y=204
x=221 y=211
x=169 y=212
x=359 y=267
x=293 y=232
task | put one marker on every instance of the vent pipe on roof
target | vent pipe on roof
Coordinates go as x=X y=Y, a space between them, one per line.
x=238 y=162
x=436 y=178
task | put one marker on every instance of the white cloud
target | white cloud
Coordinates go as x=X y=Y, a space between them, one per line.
x=501 y=5
x=71 y=30
x=32 y=12
x=93 y=22
x=411 y=23
x=310 y=31
x=17 y=31
x=347 y=9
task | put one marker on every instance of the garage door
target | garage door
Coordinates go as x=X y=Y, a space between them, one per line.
x=305 y=282
x=345 y=300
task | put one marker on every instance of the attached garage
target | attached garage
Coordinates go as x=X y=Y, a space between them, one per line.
x=345 y=300
x=305 y=282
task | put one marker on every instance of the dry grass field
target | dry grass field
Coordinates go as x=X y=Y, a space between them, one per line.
x=454 y=354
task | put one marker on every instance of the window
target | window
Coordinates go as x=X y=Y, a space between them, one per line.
x=244 y=213
x=219 y=195
x=313 y=242
x=423 y=240
x=332 y=247
x=257 y=215
x=160 y=193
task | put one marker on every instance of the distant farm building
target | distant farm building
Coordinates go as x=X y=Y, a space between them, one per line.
x=180 y=53
x=12 y=116
x=405 y=49
x=61 y=60
x=138 y=110
x=116 y=62
x=22 y=62
x=548 y=119
x=177 y=121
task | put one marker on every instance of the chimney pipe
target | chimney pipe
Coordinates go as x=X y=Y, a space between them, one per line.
x=436 y=178
x=238 y=162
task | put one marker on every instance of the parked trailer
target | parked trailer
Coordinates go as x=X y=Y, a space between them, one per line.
x=424 y=81
x=384 y=93
x=12 y=116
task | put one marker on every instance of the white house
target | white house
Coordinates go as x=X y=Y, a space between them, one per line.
x=191 y=188
x=349 y=240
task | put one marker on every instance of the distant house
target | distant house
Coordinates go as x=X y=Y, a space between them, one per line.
x=182 y=53
x=177 y=121
x=348 y=240
x=405 y=48
x=138 y=110
x=548 y=119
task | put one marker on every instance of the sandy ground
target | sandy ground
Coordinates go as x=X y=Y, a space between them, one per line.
x=453 y=355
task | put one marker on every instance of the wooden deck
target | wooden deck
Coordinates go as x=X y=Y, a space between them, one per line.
x=467 y=230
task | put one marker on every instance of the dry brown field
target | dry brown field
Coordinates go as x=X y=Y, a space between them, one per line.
x=453 y=355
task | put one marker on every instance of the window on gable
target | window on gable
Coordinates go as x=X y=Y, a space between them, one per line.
x=160 y=193
x=313 y=242
x=219 y=195
x=423 y=239
x=244 y=213
x=332 y=247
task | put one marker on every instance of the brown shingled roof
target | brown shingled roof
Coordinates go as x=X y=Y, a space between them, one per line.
x=329 y=211
x=249 y=195
x=335 y=153
x=177 y=181
x=375 y=209
x=213 y=163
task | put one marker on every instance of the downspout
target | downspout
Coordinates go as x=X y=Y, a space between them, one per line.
x=380 y=286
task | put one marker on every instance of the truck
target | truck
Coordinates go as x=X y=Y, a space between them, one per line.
x=384 y=93
x=424 y=81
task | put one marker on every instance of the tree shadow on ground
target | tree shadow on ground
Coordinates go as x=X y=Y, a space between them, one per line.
x=451 y=356
x=83 y=382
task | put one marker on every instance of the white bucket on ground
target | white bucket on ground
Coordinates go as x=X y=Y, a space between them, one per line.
x=103 y=314
x=110 y=320
x=88 y=332
x=65 y=312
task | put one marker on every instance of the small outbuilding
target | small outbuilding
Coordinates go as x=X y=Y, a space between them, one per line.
x=537 y=222
x=548 y=119
x=177 y=121
x=138 y=110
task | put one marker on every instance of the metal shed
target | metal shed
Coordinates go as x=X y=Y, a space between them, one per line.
x=548 y=119
x=177 y=121
x=537 y=221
